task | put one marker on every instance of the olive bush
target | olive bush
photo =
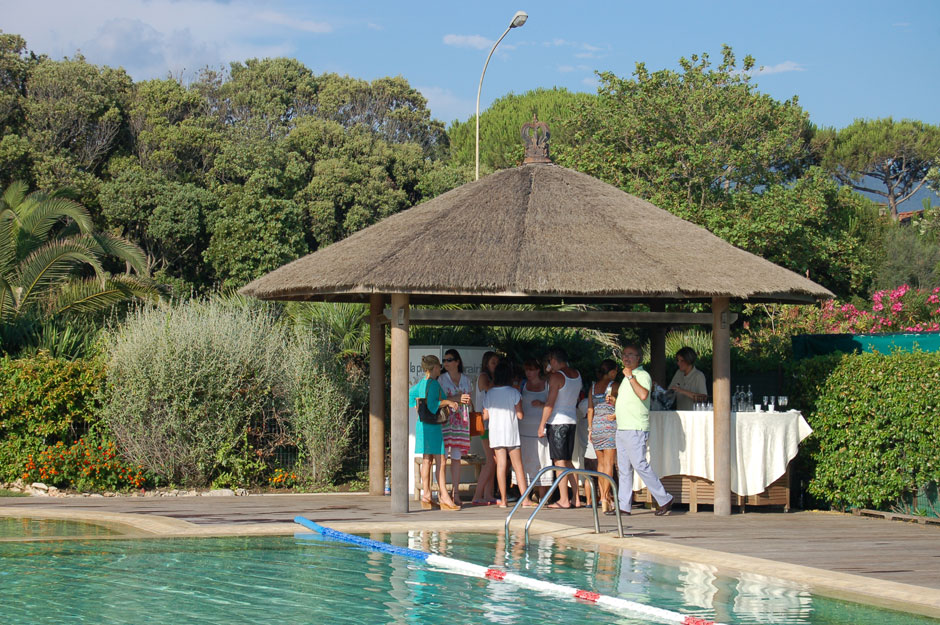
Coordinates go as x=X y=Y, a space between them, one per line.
x=195 y=391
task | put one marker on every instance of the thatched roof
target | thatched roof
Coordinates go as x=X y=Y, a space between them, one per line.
x=538 y=232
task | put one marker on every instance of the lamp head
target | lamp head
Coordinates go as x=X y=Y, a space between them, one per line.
x=519 y=19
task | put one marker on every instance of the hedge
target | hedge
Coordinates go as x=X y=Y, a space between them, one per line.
x=876 y=422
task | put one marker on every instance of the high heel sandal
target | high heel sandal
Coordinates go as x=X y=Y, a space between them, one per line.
x=426 y=505
x=447 y=506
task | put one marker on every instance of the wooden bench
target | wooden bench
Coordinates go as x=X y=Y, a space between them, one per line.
x=466 y=461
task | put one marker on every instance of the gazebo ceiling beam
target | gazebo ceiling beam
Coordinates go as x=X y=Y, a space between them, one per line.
x=554 y=318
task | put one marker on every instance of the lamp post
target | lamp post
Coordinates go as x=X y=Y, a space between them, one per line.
x=517 y=20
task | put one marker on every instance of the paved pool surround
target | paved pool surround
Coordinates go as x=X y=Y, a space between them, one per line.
x=874 y=561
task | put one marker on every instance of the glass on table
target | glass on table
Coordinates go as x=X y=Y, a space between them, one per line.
x=765 y=402
x=782 y=401
x=770 y=404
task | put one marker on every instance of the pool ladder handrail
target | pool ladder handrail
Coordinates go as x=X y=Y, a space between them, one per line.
x=565 y=472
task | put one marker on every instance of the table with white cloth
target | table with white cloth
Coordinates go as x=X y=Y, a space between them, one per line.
x=681 y=445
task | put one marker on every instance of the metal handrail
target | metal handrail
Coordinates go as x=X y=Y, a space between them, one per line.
x=565 y=472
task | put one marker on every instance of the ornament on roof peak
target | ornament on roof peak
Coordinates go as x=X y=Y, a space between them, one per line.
x=535 y=135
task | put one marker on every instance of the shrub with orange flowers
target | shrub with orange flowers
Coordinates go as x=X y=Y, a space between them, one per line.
x=88 y=464
x=283 y=478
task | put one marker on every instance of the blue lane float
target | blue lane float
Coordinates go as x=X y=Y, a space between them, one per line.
x=612 y=604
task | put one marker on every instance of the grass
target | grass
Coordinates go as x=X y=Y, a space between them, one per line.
x=9 y=493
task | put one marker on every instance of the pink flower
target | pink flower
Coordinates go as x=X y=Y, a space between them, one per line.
x=877 y=307
x=936 y=289
x=897 y=307
x=933 y=299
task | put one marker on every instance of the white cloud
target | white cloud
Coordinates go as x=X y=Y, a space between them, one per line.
x=901 y=24
x=590 y=81
x=374 y=26
x=445 y=105
x=282 y=19
x=151 y=38
x=564 y=69
x=468 y=41
x=780 y=68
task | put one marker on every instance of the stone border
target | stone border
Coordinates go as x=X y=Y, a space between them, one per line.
x=885 y=594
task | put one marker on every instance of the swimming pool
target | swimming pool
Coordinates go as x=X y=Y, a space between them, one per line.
x=18 y=527
x=291 y=580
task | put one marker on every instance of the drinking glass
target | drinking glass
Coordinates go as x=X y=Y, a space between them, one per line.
x=770 y=404
x=782 y=401
x=765 y=402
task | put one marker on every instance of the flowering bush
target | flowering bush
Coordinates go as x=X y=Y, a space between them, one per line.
x=86 y=464
x=283 y=479
x=899 y=310
x=766 y=335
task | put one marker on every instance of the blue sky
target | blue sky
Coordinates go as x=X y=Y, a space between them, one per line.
x=844 y=60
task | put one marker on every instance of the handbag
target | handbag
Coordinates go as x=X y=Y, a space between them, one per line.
x=426 y=416
x=476 y=424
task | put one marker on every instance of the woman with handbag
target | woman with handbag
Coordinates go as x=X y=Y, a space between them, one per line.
x=457 y=429
x=428 y=397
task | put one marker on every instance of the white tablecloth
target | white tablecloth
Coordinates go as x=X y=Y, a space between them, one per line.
x=762 y=444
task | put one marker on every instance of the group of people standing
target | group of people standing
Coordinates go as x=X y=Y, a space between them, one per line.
x=531 y=422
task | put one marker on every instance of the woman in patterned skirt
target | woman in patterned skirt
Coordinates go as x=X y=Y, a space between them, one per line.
x=602 y=423
x=457 y=429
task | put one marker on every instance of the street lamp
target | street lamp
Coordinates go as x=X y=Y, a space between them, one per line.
x=517 y=20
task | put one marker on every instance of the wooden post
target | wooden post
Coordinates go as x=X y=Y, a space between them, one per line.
x=401 y=454
x=376 y=396
x=658 y=347
x=721 y=390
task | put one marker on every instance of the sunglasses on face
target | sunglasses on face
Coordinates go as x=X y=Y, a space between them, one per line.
x=450 y=360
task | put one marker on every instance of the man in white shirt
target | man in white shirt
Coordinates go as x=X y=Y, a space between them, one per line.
x=688 y=383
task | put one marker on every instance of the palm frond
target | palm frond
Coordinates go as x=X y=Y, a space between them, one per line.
x=90 y=296
x=7 y=241
x=53 y=263
x=15 y=193
x=123 y=249
x=39 y=215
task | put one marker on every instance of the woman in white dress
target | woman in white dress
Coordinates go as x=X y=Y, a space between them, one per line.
x=502 y=410
x=535 y=454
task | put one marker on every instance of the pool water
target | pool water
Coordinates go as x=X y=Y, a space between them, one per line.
x=288 y=580
x=41 y=528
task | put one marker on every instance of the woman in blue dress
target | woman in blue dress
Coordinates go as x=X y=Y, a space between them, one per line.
x=429 y=437
x=602 y=423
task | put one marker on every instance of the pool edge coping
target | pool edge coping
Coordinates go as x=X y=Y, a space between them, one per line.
x=896 y=596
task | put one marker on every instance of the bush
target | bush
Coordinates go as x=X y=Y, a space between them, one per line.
x=876 y=422
x=90 y=463
x=43 y=401
x=326 y=401
x=195 y=392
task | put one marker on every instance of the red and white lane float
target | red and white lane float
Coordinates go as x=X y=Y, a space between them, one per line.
x=612 y=604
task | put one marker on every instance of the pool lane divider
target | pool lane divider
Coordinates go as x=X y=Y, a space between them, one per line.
x=613 y=604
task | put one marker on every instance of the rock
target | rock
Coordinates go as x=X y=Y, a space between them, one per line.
x=96 y=495
x=19 y=484
x=38 y=493
x=39 y=486
x=108 y=494
x=221 y=492
x=241 y=492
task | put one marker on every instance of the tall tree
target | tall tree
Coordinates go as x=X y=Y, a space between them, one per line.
x=899 y=155
x=686 y=140
x=500 y=124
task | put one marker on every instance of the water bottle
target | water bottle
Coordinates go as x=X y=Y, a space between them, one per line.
x=388 y=486
x=750 y=398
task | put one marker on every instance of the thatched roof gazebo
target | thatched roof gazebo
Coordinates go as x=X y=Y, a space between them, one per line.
x=533 y=234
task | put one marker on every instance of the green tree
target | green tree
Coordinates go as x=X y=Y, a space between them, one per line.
x=899 y=155
x=45 y=243
x=688 y=140
x=76 y=115
x=15 y=65
x=500 y=141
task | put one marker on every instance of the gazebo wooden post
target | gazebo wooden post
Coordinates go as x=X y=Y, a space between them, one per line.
x=658 y=348
x=401 y=454
x=376 y=395
x=721 y=390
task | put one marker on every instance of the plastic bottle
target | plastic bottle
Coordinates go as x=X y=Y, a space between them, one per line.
x=388 y=486
x=750 y=398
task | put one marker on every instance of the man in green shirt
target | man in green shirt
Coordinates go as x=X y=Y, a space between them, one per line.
x=633 y=426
